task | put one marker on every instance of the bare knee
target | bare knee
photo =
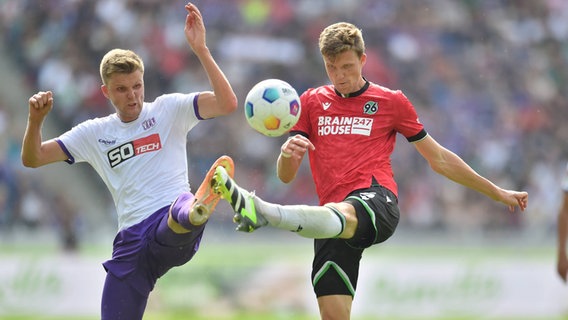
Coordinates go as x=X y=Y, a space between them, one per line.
x=350 y=215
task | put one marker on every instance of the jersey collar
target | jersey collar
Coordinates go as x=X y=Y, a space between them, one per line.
x=356 y=93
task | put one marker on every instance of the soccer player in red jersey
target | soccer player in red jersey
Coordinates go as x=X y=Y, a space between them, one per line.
x=349 y=129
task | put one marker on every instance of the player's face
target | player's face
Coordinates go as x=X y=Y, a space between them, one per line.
x=126 y=92
x=345 y=71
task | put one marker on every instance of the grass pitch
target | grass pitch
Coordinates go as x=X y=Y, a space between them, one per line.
x=215 y=272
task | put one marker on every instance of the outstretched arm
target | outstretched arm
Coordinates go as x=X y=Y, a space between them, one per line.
x=448 y=164
x=222 y=100
x=35 y=152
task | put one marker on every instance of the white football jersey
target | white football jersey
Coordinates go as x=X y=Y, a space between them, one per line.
x=143 y=162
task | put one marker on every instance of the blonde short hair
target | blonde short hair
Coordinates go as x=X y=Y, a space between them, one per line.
x=119 y=61
x=340 y=37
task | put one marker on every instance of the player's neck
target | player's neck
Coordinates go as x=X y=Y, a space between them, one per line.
x=362 y=86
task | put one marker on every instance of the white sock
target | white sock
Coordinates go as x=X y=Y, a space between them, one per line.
x=315 y=222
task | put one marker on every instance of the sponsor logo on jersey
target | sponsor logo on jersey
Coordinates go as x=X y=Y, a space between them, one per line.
x=107 y=142
x=134 y=148
x=328 y=125
x=326 y=105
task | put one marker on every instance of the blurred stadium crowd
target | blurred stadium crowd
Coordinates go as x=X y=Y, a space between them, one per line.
x=486 y=76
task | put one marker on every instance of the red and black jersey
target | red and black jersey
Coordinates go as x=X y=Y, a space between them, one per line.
x=354 y=136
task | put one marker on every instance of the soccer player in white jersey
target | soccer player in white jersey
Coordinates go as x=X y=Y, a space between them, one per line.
x=140 y=153
x=562 y=260
x=349 y=130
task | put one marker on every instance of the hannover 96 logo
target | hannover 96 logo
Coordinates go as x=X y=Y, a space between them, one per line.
x=133 y=148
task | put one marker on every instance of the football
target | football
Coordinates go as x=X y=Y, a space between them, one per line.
x=272 y=107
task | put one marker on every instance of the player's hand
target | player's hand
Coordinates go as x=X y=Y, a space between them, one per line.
x=40 y=104
x=194 y=28
x=296 y=147
x=515 y=198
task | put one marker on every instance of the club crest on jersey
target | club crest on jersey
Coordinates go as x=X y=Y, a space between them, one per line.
x=134 y=148
x=149 y=123
x=371 y=107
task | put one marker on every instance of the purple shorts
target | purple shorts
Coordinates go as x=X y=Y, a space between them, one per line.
x=140 y=259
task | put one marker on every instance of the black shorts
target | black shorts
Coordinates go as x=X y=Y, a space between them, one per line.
x=335 y=268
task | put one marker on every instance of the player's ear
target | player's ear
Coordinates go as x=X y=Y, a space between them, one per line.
x=104 y=90
x=363 y=59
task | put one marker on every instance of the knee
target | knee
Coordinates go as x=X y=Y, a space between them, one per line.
x=350 y=215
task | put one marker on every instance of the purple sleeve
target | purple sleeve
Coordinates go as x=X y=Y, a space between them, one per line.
x=196 y=107
x=70 y=159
